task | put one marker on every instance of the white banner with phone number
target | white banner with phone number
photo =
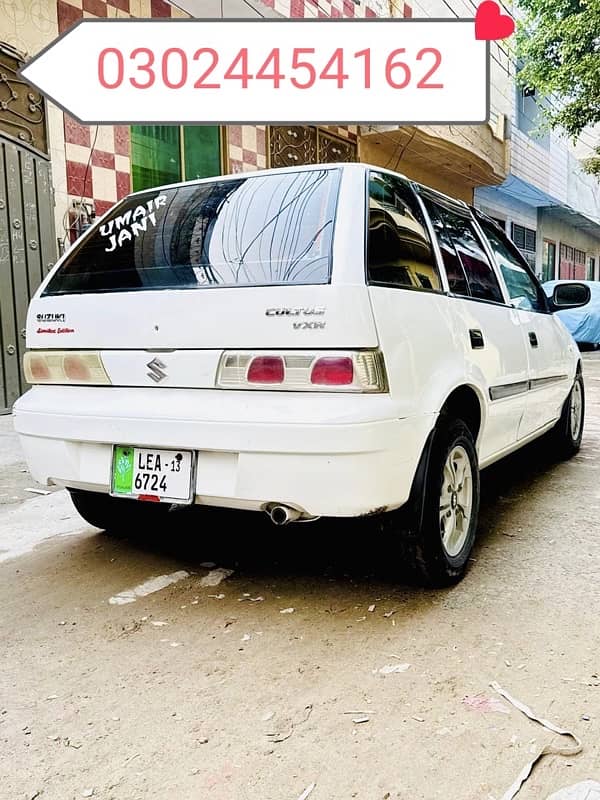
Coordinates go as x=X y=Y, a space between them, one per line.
x=285 y=71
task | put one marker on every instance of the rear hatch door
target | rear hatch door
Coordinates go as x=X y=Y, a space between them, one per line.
x=192 y=270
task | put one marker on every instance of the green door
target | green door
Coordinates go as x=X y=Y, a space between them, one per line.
x=27 y=251
x=548 y=260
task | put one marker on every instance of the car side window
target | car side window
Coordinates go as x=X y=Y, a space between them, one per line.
x=522 y=289
x=399 y=250
x=457 y=280
x=469 y=271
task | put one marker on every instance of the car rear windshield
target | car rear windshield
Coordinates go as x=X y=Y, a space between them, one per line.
x=247 y=231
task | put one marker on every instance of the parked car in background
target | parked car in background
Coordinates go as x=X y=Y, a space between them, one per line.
x=332 y=340
x=582 y=323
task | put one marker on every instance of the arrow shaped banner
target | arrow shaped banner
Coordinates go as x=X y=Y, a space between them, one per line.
x=233 y=71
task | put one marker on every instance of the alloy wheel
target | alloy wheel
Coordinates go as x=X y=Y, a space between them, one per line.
x=576 y=411
x=456 y=500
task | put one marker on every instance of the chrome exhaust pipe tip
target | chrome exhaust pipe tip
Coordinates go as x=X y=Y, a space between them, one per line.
x=281 y=515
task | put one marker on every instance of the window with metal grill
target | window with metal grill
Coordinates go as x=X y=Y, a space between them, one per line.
x=566 y=252
x=524 y=238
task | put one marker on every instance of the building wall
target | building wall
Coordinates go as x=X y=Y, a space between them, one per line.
x=28 y=25
x=552 y=165
x=583 y=190
x=559 y=231
x=499 y=205
x=384 y=152
x=563 y=233
x=451 y=158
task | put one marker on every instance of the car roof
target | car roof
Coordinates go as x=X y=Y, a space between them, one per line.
x=362 y=166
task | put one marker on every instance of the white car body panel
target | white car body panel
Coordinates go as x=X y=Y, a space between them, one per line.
x=326 y=454
x=208 y=318
x=552 y=358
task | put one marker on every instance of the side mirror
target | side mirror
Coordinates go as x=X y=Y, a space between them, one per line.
x=570 y=295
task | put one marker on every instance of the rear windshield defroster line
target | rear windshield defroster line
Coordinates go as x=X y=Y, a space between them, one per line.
x=266 y=230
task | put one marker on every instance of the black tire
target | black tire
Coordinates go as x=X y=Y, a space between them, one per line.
x=566 y=436
x=417 y=530
x=119 y=514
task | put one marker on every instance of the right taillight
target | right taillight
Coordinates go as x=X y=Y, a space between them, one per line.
x=340 y=371
x=332 y=371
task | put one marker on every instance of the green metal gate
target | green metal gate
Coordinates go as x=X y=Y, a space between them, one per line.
x=27 y=236
x=27 y=251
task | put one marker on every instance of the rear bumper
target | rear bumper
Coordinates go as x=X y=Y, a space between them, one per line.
x=253 y=450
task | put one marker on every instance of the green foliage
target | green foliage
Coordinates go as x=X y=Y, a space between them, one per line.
x=558 y=42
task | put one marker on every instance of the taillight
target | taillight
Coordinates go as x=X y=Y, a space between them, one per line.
x=76 y=369
x=37 y=369
x=266 y=369
x=70 y=367
x=298 y=370
x=332 y=371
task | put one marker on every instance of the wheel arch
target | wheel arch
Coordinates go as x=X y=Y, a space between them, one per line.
x=465 y=402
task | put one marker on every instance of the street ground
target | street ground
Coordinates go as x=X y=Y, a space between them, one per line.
x=212 y=693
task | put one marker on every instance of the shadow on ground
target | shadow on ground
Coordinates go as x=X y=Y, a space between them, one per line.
x=353 y=548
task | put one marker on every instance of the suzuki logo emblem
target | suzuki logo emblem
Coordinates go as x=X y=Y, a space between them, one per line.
x=156 y=368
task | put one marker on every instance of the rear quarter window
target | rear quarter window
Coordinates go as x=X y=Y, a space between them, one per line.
x=247 y=231
x=399 y=249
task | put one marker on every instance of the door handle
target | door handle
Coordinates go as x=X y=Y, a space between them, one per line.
x=476 y=336
x=533 y=339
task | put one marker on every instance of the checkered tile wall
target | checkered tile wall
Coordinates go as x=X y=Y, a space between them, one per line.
x=107 y=178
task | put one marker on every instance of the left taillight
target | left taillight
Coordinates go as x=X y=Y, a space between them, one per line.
x=266 y=369
x=68 y=367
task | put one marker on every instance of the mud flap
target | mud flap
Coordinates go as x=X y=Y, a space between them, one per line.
x=415 y=505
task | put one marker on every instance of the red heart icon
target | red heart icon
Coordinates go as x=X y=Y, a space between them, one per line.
x=490 y=23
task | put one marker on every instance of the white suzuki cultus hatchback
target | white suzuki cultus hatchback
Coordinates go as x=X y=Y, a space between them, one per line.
x=320 y=341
